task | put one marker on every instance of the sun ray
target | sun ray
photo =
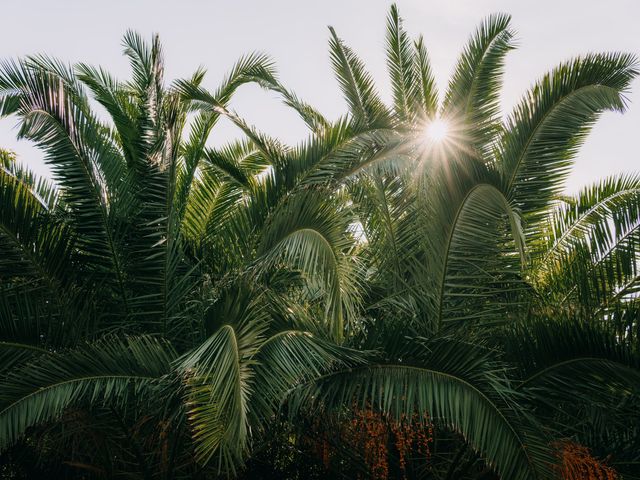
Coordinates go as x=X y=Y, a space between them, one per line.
x=437 y=130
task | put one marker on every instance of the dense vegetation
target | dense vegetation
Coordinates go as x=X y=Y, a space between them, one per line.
x=371 y=303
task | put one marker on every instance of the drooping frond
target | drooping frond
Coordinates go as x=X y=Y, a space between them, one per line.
x=457 y=384
x=85 y=162
x=219 y=380
x=251 y=68
x=35 y=244
x=576 y=376
x=310 y=115
x=476 y=248
x=593 y=244
x=370 y=266
x=292 y=357
x=559 y=355
x=112 y=370
x=312 y=234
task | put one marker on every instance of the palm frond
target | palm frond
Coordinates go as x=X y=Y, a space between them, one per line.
x=85 y=162
x=357 y=85
x=545 y=131
x=473 y=93
x=576 y=375
x=400 y=62
x=311 y=234
x=220 y=381
x=476 y=250
x=427 y=92
x=592 y=252
x=458 y=385
x=111 y=370
x=36 y=246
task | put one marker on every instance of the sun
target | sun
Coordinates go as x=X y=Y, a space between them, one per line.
x=437 y=130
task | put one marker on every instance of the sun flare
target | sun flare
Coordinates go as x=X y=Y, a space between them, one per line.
x=437 y=130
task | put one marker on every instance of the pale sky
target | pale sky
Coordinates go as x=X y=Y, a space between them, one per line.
x=294 y=32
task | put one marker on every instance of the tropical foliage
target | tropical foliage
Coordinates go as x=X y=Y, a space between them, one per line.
x=373 y=302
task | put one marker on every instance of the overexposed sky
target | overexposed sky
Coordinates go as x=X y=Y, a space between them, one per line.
x=215 y=33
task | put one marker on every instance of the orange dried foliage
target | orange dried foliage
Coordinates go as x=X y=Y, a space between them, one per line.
x=326 y=452
x=373 y=432
x=577 y=463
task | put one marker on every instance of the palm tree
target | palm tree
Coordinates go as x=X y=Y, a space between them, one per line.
x=128 y=311
x=167 y=300
x=474 y=259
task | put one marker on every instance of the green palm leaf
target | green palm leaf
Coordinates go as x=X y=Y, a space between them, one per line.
x=311 y=234
x=356 y=84
x=111 y=370
x=543 y=134
x=472 y=97
x=458 y=385
x=592 y=247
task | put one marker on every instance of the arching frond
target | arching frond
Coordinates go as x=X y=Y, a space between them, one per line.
x=544 y=132
x=113 y=370
x=476 y=247
x=576 y=375
x=219 y=378
x=36 y=245
x=593 y=245
x=457 y=384
x=311 y=234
